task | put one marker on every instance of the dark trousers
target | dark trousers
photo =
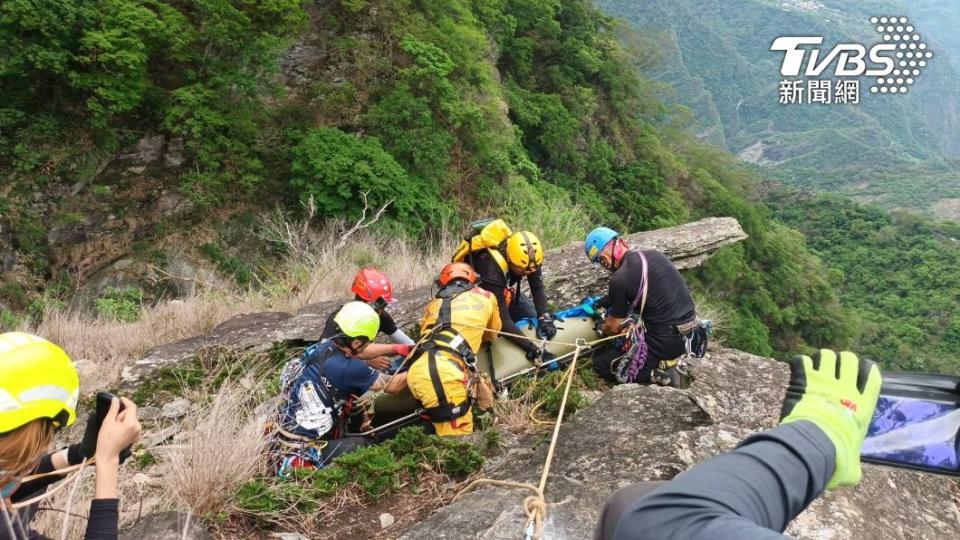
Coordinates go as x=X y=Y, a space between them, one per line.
x=618 y=504
x=522 y=308
x=660 y=346
x=338 y=447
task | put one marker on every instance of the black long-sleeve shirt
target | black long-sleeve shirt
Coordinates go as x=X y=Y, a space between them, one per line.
x=101 y=524
x=495 y=280
x=668 y=299
x=751 y=492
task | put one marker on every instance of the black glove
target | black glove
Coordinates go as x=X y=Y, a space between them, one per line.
x=546 y=328
x=544 y=356
x=87 y=447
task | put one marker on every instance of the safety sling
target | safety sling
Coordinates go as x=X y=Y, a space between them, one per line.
x=445 y=338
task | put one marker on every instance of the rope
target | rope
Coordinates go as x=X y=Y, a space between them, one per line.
x=51 y=492
x=535 y=506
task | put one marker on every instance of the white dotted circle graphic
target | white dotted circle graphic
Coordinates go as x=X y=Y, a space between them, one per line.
x=911 y=54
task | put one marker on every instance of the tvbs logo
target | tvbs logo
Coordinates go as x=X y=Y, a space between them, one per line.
x=895 y=61
x=849 y=59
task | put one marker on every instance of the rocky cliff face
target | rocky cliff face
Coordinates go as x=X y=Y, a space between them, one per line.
x=569 y=278
x=636 y=433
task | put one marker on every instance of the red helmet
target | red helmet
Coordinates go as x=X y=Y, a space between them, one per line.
x=371 y=285
x=457 y=270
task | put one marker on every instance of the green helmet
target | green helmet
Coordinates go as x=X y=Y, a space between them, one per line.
x=358 y=320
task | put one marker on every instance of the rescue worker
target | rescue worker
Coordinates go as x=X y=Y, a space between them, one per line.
x=374 y=287
x=317 y=387
x=456 y=321
x=39 y=388
x=755 y=490
x=647 y=286
x=501 y=272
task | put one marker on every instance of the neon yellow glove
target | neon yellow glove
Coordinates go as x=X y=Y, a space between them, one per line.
x=838 y=394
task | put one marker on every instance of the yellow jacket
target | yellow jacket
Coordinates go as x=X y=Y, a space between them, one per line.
x=475 y=315
x=470 y=313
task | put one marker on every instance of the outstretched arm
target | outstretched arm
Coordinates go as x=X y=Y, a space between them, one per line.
x=751 y=492
x=754 y=491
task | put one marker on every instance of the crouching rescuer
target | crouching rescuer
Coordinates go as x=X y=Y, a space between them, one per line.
x=502 y=259
x=648 y=299
x=318 y=389
x=443 y=375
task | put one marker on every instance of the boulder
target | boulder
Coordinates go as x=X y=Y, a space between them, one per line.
x=147 y=151
x=569 y=277
x=638 y=433
x=175 y=409
x=174 y=157
x=168 y=526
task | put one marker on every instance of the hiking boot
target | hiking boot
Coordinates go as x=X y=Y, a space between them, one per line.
x=667 y=373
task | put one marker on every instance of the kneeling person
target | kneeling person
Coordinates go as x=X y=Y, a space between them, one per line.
x=457 y=321
x=645 y=286
x=317 y=387
x=374 y=287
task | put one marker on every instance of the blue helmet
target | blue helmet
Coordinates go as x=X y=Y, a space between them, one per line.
x=596 y=240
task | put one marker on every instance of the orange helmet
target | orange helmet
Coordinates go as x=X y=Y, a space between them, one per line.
x=371 y=285
x=457 y=270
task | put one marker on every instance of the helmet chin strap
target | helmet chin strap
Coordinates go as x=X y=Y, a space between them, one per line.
x=619 y=250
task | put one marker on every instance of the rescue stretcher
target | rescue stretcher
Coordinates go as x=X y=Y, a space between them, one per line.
x=502 y=359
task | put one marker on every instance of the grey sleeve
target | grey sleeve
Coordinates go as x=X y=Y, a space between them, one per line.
x=751 y=492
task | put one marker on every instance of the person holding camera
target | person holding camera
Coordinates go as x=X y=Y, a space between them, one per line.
x=39 y=388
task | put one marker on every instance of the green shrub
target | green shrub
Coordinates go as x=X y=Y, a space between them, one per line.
x=234 y=266
x=120 y=304
x=374 y=470
x=146 y=459
x=336 y=169
x=548 y=392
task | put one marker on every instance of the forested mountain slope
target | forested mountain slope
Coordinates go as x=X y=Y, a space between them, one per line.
x=452 y=109
x=895 y=151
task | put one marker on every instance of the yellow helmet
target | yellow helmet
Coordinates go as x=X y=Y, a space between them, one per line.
x=37 y=380
x=358 y=320
x=524 y=252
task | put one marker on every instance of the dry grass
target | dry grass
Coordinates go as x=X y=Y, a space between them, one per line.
x=319 y=265
x=103 y=347
x=223 y=449
x=513 y=413
x=53 y=519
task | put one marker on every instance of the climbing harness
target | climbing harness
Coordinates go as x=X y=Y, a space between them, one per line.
x=635 y=343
